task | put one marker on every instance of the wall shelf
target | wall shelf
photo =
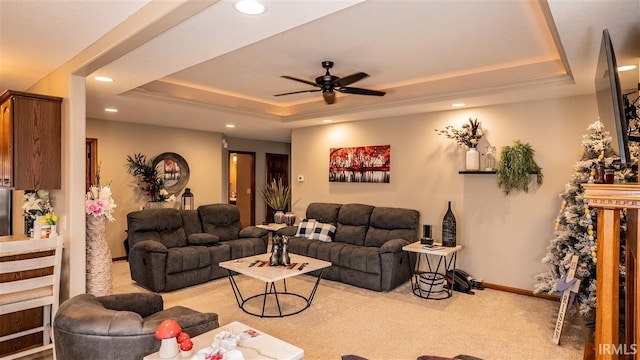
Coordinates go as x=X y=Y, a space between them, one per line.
x=477 y=172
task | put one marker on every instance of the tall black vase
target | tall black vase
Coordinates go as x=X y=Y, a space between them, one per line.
x=449 y=228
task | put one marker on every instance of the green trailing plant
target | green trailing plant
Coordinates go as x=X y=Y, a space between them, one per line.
x=516 y=167
x=276 y=195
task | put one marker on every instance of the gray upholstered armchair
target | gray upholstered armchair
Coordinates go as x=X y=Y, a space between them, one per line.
x=119 y=327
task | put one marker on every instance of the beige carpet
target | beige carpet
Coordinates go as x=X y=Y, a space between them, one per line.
x=396 y=325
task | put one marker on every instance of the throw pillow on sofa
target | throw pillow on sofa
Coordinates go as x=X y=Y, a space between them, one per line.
x=323 y=232
x=305 y=228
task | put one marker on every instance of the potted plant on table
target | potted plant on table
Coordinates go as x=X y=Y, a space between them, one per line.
x=277 y=196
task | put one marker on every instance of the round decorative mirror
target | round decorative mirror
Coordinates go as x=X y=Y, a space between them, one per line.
x=174 y=170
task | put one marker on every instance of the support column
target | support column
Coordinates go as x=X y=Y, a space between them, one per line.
x=610 y=200
x=608 y=284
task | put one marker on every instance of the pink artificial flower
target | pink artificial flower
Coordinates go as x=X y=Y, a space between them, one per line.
x=96 y=207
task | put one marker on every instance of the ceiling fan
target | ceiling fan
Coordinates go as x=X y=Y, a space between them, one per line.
x=328 y=84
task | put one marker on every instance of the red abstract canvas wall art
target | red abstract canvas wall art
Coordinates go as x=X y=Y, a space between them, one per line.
x=360 y=164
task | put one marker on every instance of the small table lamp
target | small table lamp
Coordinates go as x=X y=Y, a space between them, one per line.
x=187 y=200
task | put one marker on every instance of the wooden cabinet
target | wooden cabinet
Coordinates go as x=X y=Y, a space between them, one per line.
x=30 y=141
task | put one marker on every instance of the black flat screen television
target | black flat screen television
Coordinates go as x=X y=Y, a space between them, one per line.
x=610 y=98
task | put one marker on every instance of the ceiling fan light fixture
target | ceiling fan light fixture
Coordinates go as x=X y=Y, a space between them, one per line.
x=329 y=97
x=250 y=7
x=329 y=84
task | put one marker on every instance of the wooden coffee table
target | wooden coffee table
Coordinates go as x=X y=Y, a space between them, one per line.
x=258 y=267
x=259 y=346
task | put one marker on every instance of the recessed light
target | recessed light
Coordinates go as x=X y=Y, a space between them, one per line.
x=626 y=67
x=111 y=110
x=250 y=7
x=458 y=105
x=326 y=121
x=103 y=79
x=230 y=126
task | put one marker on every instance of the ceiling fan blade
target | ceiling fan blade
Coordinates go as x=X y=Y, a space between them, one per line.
x=297 y=92
x=359 y=91
x=329 y=97
x=348 y=80
x=300 y=80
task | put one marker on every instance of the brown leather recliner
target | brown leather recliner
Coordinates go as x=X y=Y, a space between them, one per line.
x=119 y=327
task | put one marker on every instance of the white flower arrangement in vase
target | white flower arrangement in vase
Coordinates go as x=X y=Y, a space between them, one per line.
x=469 y=136
x=36 y=204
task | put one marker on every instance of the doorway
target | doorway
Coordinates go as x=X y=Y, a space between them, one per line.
x=91 y=166
x=277 y=168
x=242 y=185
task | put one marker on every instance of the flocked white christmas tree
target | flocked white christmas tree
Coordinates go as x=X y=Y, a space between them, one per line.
x=575 y=226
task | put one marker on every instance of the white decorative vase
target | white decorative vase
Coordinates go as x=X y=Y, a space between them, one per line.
x=37 y=227
x=472 y=160
x=278 y=217
x=99 y=271
x=289 y=218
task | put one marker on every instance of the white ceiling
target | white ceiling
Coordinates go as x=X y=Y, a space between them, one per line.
x=201 y=65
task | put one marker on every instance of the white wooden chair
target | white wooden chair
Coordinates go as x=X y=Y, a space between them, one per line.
x=19 y=294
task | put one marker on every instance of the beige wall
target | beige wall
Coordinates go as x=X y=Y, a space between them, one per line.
x=201 y=150
x=503 y=238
